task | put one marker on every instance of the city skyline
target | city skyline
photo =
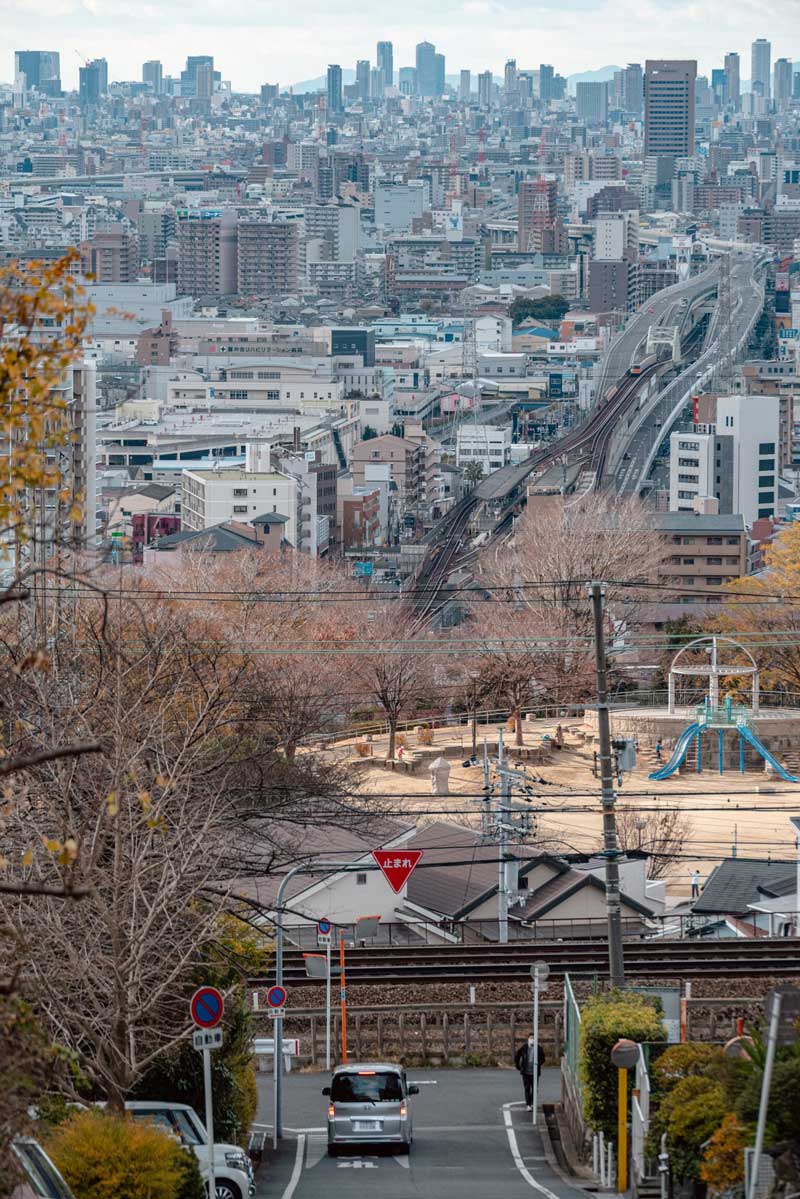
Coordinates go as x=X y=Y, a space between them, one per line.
x=480 y=35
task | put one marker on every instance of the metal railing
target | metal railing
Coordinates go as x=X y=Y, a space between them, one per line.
x=640 y=1118
x=572 y=1037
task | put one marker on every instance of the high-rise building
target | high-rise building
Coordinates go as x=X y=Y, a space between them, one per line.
x=335 y=103
x=669 y=107
x=338 y=227
x=510 y=79
x=407 y=80
x=194 y=63
x=207 y=252
x=426 y=69
x=732 y=70
x=633 y=89
x=760 y=73
x=204 y=81
x=377 y=84
x=153 y=74
x=41 y=69
x=385 y=61
x=111 y=255
x=93 y=81
x=591 y=103
x=465 y=87
x=546 y=73
x=485 y=86
x=537 y=210
x=362 y=78
x=439 y=79
x=783 y=82
x=268 y=257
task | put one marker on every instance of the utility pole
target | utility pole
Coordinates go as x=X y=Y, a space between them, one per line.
x=502 y=846
x=509 y=819
x=608 y=795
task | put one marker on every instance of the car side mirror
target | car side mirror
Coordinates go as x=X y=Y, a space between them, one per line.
x=412 y=1090
x=326 y=1090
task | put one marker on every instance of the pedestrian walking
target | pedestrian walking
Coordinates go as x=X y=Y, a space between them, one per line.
x=695 y=884
x=527 y=1064
x=658 y=750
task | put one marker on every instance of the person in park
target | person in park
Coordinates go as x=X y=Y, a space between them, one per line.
x=529 y=1058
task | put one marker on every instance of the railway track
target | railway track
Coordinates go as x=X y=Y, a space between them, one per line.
x=497 y=963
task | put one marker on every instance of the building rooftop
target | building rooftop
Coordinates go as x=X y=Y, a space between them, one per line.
x=693 y=522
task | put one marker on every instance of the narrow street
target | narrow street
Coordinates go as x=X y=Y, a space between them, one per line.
x=472 y=1138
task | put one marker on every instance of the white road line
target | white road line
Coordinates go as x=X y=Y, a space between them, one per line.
x=402 y=1161
x=517 y=1156
x=298 y=1168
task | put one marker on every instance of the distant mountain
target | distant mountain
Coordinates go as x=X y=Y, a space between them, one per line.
x=320 y=84
x=602 y=75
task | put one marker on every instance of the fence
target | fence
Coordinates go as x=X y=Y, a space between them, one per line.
x=640 y=1119
x=766 y=1174
x=438 y=1034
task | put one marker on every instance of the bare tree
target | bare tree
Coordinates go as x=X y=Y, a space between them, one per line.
x=662 y=833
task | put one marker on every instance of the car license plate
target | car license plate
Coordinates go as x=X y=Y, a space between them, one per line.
x=366 y=1125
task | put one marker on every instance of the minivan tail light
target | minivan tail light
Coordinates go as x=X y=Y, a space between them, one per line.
x=367 y=1073
x=403 y=1110
x=331 y=1111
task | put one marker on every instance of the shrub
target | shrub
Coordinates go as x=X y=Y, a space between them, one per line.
x=783 y=1112
x=604 y=1019
x=690 y=1114
x=401 y=741
x=362 y=748
x=722 y=1166
x=107 y=1156
x=424 y=735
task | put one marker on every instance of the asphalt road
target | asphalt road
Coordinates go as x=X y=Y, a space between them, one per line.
x=472 y=1139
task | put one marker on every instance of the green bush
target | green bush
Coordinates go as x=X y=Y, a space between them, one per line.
x=107 y=1156
x=783 y=1112
x=690 y=1114
x=604 y=1020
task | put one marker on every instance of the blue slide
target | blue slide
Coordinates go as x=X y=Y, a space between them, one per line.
x=750 y=736
x=679 y=752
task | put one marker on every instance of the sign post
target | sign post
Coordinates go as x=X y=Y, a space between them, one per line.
x=206 y=1008
x=624 y=1056
x=276 y=1001
x=540 y=972
x=324 y=933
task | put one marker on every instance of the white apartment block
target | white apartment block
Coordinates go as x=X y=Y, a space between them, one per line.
x=339 y=226
x=209 y=497
x=691 y=469
x=486 y=444
x=616 y=235
x=397 y=205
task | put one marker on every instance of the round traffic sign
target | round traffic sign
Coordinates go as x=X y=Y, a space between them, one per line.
x=206 y=1007
x=323 y=927
x=276 y=996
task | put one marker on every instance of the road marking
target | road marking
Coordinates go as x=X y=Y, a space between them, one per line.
x=423 y=1082
x=356 y=1164
x=517 y=1156
x=298 y=1168
x=402 y=1161
x=316 y=1145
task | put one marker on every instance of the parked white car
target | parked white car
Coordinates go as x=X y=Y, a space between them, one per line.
x=233 y=1170
x=41 y=1179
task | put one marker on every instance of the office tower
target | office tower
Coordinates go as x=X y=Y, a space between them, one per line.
x=760 y=67
x=377 y=84
x=734 y=79
x=268 y=257
x=204 y=81
x=591 y=103
x=335 y=103
x=362 y=78
x=41 y=68
x=440 y=74
x=465 y=87
x=152 y=74
x=269 y=93
x=719 y=86
x=796 y=86
x=669 y=107
x=207 y=252
x=385 y=61
x=545 y=82
x=485 y=85
x=189 y=77
x=633 y=89
x=510 y=79
x=537 y=210
x=783 y=82
x=426 y=69
x=407 y=80
x=93 y=81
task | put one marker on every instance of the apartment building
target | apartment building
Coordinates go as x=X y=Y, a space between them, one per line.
x=703 y=552
x=268 y=257
x=207 y=251
x=486 y=444
x=408 y=462
x=211 y=497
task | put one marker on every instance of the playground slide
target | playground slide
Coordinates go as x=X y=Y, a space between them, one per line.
x=678 y=753
x=750 y=736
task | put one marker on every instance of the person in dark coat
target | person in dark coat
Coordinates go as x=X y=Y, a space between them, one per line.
x=526 y=1063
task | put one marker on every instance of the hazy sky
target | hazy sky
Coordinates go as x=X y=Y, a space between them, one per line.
x=259 y=41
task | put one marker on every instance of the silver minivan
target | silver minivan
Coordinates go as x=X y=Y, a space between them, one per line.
x=368 y=1105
